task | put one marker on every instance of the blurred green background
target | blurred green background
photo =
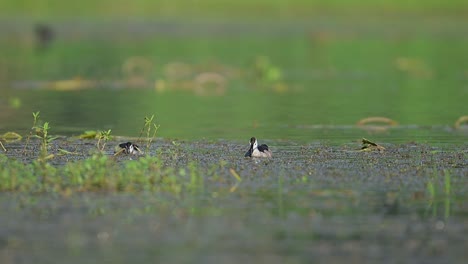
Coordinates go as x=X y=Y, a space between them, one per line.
x=301 y=70
x=199 y=9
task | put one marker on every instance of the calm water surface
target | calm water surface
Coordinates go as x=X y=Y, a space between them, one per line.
x=283 y=80
x=236 y=116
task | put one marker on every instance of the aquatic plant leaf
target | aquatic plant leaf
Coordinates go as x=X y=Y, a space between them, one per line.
x=11 y=136
x=460 y=121
x=89 y=134
x=369 y=146
x=376 y=124
x=50 y=139
x=66 y=152
x=48 y=157
x=377 y=119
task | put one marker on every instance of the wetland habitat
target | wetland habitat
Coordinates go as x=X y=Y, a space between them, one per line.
x=190 y=83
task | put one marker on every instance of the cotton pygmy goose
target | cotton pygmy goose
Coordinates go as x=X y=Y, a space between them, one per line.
x=130 y=148
x=258 y=151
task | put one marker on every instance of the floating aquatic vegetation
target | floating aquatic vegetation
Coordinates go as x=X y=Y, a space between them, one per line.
x=89 y=134
x=180 y=76
x=137 y=66
x=67 y=152
x=176 y=71
x=268 y=75
x=11 y=136
x=460 y=121
x=265 y=71
x=137 y=71
x=210 y=83
x=370 y=146
x=376 y=123
x=377 y=119
x=101 y=136
x=71 y=84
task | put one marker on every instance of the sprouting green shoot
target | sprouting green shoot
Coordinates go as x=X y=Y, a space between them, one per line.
x=36 y=117
x=42 y=132
x=35 y=121
x=103 y=137
x=149 y=126
x=45 y=129
x=148 y=121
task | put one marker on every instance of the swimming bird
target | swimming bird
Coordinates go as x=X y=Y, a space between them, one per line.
x=258 y=151
x=130 y=148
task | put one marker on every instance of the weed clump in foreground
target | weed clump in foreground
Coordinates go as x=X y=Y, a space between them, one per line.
x=101 y=173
